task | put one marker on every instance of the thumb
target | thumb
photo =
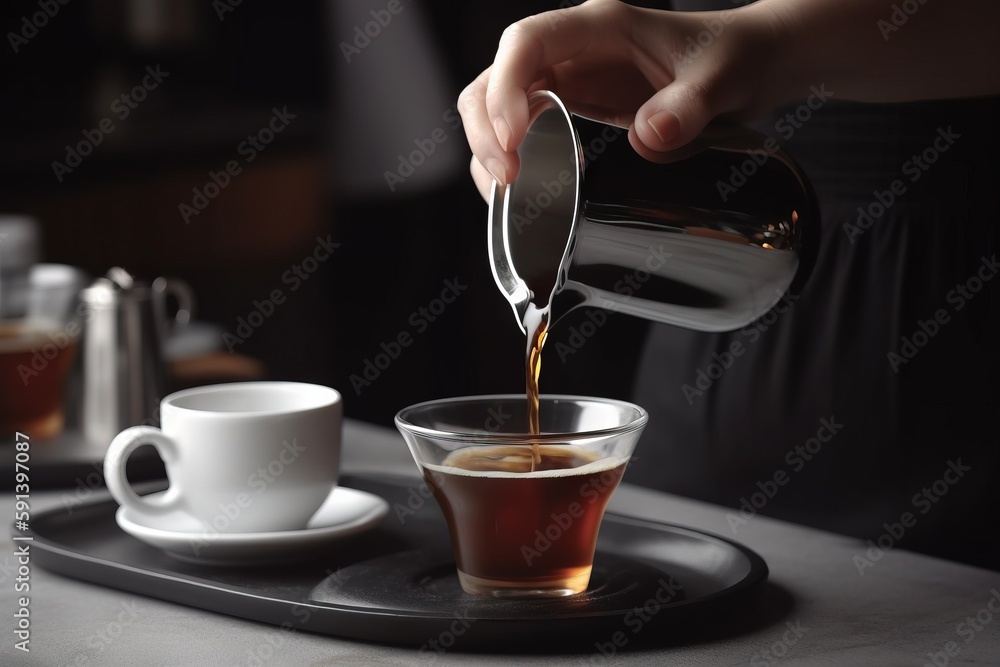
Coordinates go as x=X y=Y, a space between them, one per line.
x=671 y=118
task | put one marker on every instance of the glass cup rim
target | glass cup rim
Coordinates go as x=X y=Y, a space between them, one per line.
x=484 y=437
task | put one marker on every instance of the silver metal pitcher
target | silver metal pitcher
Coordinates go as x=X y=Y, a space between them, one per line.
x=710 y=240
x=124 y=375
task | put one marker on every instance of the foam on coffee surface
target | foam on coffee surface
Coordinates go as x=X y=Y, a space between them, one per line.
x=507 y=461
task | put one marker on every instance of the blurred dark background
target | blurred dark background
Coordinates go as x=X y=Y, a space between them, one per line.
x=359 y=103
x=375 y=160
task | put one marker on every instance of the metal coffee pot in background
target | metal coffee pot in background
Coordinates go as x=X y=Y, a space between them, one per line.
x=124 y=373
x=710 y=240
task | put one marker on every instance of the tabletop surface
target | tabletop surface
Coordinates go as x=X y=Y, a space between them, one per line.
x=841 y=604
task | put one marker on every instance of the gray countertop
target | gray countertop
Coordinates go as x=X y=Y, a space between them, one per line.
x=905 y=609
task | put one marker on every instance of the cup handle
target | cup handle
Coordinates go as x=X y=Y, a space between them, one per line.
x=181 y=291
x=117 y=456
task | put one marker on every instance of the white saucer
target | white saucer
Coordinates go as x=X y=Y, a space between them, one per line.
x=345 y=512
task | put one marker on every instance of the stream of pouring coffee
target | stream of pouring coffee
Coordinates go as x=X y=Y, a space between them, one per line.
x=536 y=324
x=537 y=251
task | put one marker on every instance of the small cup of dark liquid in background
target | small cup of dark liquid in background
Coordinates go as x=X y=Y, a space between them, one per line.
x=39 y=331
x=523 y=509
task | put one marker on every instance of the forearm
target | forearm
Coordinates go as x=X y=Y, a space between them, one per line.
x=868 y=50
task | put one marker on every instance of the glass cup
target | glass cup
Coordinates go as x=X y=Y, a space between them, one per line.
x=523 y=510
x=40 y=327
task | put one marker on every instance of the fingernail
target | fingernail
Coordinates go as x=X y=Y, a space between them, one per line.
x=502 y=129
x=495 y=167
x=665 y=125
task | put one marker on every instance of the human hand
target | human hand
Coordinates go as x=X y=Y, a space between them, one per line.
x=662 y=74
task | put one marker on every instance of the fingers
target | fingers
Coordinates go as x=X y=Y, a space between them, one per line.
x=525 y=49
x=490 y=155
x=494 y=107
x=601 y=113
x=671 y=118
x=482 y=178
x=598 y=52
x=701 y=86
x=530 y=47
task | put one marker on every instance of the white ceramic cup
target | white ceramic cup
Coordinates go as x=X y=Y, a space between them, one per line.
x=240 y=457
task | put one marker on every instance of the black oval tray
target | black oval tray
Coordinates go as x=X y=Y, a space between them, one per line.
x=396 y=584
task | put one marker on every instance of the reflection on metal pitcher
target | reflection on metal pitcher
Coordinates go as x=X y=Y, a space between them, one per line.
x=588 y=222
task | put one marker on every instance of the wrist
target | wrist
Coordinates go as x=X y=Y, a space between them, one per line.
x=776 y=29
